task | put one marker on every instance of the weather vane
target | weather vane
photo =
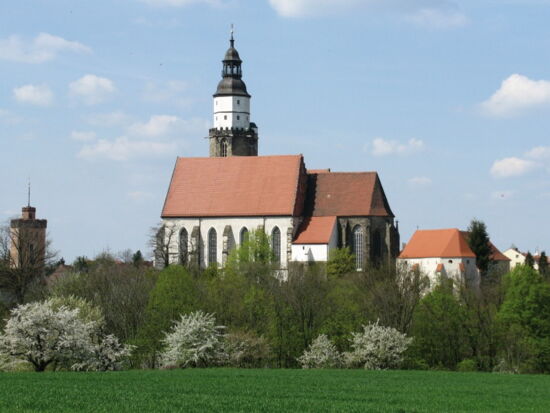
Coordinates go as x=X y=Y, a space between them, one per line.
x=232 y=31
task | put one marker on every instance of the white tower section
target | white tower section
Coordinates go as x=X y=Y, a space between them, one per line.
x=231 y=112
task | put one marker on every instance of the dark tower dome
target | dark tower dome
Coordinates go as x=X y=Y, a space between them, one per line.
x=231 y=83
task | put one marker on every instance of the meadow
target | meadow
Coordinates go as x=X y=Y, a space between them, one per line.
x=237 y=390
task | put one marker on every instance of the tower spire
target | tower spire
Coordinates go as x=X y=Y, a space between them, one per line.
x=232 y=40
x=29 y=193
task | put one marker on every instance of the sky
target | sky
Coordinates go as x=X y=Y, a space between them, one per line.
x=449 y=101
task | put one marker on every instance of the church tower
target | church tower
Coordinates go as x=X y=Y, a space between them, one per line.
x=233 y=134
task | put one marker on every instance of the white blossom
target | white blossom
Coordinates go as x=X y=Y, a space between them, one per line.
x=377 y=348
x=195 y=341
x=322 y=354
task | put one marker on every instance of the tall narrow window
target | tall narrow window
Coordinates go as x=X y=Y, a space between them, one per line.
x=243 y=237
x=223 y=148
x=184 y=239
x=212 y=247
x=276 y=244
x=358 y=247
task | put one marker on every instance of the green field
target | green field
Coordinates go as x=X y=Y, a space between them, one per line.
x=223 y=390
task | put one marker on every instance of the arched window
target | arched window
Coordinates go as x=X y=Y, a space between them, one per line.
x=212 y=247
x=223 y=148
x=184 y=239
x=276 y=244
x=358 y=247
x=243 y=237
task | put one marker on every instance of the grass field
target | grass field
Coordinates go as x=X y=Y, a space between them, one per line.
x=223 y=390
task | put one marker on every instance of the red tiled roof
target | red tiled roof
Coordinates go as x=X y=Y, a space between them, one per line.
x=346 y=194
x=315 y=230
x=318 y=171
x=437 y=243
x=236 y=186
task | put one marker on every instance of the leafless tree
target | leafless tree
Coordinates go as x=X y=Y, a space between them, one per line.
x=23 y=261
x=160 y=240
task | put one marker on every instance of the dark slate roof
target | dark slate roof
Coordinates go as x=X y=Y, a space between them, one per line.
x=230 y=86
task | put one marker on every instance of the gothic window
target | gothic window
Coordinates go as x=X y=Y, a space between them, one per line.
x=184 y=239
x=376 y=247
x=276 y=244
x=243 y=237
x=223 y=148
x=358 y=247
x=212 y=247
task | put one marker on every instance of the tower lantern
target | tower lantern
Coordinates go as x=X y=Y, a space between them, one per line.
x=233 y=134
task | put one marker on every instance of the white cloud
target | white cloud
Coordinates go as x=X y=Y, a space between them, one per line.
x=180 y=3
x=162 y=125
x=83 y=136
x=420 y=182
x=438 y=18
x=40 y=95
x=157 y=125
x=92 y=89
x=383 y=147
x=8 y=117
x=439 y=14
x=124 y=149
x=539 y=153
x=509 y=167
x=42 y=48
x=516 y=94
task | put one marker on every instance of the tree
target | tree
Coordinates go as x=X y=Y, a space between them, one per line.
x=543 y=265
x=341 y=261
x=81 y=264
x=377 y=348
x=194 y=341
x=23 y=261
x=525 y=321
x=529 y=260
x=254 y=257
x=137 y=259
x=321 y=354
x=42 y=334
x=161 y=238
x=478 y=240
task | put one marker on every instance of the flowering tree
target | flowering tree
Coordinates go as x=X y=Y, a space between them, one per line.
x=195 y=341
x=377 y=348
x=45 y=333
x=322 y=354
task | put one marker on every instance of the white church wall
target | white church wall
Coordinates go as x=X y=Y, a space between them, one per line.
x=310 y=252
x=219 y=224
x=231 y=112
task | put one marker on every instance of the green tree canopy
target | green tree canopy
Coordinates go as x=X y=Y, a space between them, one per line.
x=478 y=240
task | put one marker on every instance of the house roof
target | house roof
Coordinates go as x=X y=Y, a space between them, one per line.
x=444 y=243
x=346 y=194
x=315 y=230
x=496 y=255
x=236 y=186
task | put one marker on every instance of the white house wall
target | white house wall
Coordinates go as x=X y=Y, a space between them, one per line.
x=451 y=266
x=309 y=252
x=219 y=224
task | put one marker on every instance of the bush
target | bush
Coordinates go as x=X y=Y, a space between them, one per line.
x=195 y=341
x=246 y=350
x=43 y=334
x=467 y=365
x=377 y=348
x=322 y=354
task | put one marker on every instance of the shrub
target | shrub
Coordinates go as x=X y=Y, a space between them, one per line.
x=43 y=334
x=467 y=365
x=322 y=354
x=245 y=350
x=195 y=341
x=377 y=348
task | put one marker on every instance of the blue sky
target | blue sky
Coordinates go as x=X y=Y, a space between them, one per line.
x=448 y=100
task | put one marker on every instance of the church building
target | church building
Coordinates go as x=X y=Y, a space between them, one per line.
x=212 y=203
